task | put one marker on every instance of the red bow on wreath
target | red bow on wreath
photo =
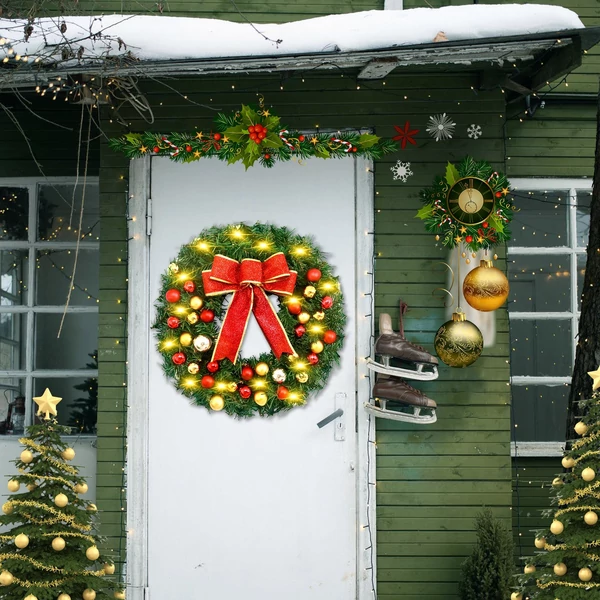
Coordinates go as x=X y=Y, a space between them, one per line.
x=249 y=281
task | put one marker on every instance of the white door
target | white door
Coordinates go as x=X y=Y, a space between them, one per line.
x=260 y=508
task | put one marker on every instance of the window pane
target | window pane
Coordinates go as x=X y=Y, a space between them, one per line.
x=13 y=277
x=78 y=339
x=539 y=283
x=540 y=413
x=14 y=213
x=584 y=201
x=12 y=336
x=54 y=271
x=59 y=209
x=581 y=263
x=79 y=402
x=541 y=347
x=541 y=219
x=12 y=406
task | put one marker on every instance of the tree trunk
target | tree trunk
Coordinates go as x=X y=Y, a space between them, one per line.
x=587 y=357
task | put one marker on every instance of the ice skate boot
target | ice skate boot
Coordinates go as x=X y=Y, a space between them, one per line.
x=418 y=363
x=398 y=401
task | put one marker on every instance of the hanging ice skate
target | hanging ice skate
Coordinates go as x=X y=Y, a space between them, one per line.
x=393 y=398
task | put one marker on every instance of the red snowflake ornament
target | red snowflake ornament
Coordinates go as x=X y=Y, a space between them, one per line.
x=405 y=135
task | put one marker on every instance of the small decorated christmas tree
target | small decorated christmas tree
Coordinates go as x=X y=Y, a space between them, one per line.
x=568 y=564
x=49 y=549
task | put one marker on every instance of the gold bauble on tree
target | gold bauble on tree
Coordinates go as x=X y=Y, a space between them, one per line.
x=588 y=474
x=6 y=578
x=64 y=596
x=58 y=544
x=7 y=508
x=119 y=595
x=556 y=527
x=92 y=553
x=529 y=569
x=109 y=568
x=31 y=597
x=26 y=456
x=581 y=428
x=68 y=454
x=262 y=369
x=22 y=541
x=557 y=481
x=89 y=594
x=585 y=574
x=13 y=485
x=485 y=288
x=560 y=569
x=568 y=462
x=61 y=500
x=458 y=342
x=81 y=488
x=590 y=517
x=516 y=596
x=540 y=543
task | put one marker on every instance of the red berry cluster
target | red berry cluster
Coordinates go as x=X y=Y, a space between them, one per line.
x=257 y=133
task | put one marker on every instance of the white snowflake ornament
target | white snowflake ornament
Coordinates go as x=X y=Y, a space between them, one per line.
x=441 y=127
x=474 y=131
x=401 y=171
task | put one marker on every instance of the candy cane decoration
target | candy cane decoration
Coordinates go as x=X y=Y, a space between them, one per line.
x=284 y=139
x=169 y=143
x=349 y=148
x=494 y=174
x=499 y=213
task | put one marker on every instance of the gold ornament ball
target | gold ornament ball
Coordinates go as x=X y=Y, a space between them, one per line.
x=196 y=302
x=588 y=474
x=516 y=596
x=302 y=377
x=89 y=594
x=437 y=238
x=560 y=569
x=540 y=543
x=529 y=569
x=464 y=255
x=68 y=454
x=31 y=597
x=7 y=508
x=556 y=527
x=304 y=317
x=32 y=486
x=262 y=369
x=186 y=339
x=193 y=318
x=468 y=261
x=13 y=485
x=585 y=574
x=568 y=462
x=458 y=342
x=581 y=428
x=119 y=595
x=590 y=517
x=92 y=553
x=81 y=488
x=22 y=541
x=6 y=578
x=231 y=387
x=193 y=368
x=58 y=544
x=64 y=596
x=485 y=288
x=109 y=568
x=309 y=291
x=317 y=347
x=319 y=316
x=26 y=456
x=61 y=500
x=557 y=481
x=217 y=402
x=260 y=398
x=92 y=507
x=173 y=267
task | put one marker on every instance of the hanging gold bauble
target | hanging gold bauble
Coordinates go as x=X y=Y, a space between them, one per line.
x=119 y=595
x=302 y=377
x=81 y=488
x=585 y=574
x=22 y=541
x=13 y=485
x=58 y=544
x=516 y=596
x=196 y=302
x=529 y=569
x=540 y=543
x=185 y=339
x=217 y=402
x=61 y=500
x=568 y=462
x=109 y=568
x=590 y=517
x=581 y=428
x=89 y=594
x=557 y=481
x=262 y=369
x=64 y=596
x=7 y=508
x=485 y=287
x=91 y=507
x=458 y=342
x=68 y=454
x=560 y=569
x=31 y=597
x=92 y=553
x=231 y=387
x=588 y=474
x=26 y=456
x=556 y=527
x=260 y=398
x=6 y=578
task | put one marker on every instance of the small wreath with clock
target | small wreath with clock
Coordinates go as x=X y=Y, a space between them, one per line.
x=468 y=205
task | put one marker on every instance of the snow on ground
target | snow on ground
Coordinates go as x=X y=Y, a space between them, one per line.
x=164 y=38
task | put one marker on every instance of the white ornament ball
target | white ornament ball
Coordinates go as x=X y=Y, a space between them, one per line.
x=109 y=568
x=568 y=462
x=581 y=428
x=68 y=454
x=202 y=343
x=92 y=553
x=6 y=578
x=557 y=527
x=22 y=541
x=89 y=594
x=58 y=544
x=540 y=543
x=13 y=485
x=590 y=517
x=560 y=569
x=516 y=596
x=279 y=375
x=81 y=488
x=173 y=267
x=585 y=574
x=588 y=474
x=64 y=596
x=529 y=569
x=26 y=456
x=61 y=500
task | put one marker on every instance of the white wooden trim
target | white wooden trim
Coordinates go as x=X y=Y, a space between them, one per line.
x=49 y=373
x=550 y=183
x=531 y=380
x=365 y=308
x=518 y=315
x=524 y=449
x=393 y=5
x=27 y=181
x=138 y=332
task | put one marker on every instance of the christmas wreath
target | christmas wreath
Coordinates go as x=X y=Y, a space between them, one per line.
x=486 y=223
x=200 y=338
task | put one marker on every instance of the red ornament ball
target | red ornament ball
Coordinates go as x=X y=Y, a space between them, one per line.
x=498 y=194
x=217 y=136
x=299 y=330
x=188 y=148
x=329 y=336
x=207 y=316
x=267 y=156
x=469 y=239
x=354 y=149
x=313 y=275
x=313 y=359
x=189 y=286
x=327 y=302
x=207 y=381
x=282 y=392
x=294 y=308
x=173 y=322
x=156 y=149
x=178 y=358
x=247 y=373
x=212 y=366
x=245 y=392
x=173 y=295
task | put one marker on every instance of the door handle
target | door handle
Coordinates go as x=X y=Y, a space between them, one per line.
x=334 y=415
x=339 y=434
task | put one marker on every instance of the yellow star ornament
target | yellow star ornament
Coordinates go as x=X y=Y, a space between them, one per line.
x=595 y=375
x=47 y=404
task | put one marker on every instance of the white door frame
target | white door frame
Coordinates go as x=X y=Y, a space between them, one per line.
x=138 y=357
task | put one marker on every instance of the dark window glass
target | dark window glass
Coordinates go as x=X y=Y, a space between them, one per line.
x=14 y=213
x=12 y=406
x=584 y=201
x=540 y=413
x=541 y=219
x=13 y=277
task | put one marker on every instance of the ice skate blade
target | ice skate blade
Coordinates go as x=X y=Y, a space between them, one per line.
x=404 y=373
x=394 y=415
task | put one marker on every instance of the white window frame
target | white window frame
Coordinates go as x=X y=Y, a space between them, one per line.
x=29 y=309
x=572 y=185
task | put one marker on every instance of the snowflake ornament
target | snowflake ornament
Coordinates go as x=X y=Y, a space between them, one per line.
x=401 y=171
x=441 y=127
x=474 y=131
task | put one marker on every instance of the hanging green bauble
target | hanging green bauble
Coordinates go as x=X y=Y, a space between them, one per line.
x=458 y=342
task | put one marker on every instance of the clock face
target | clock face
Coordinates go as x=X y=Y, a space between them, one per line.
x=470 y=201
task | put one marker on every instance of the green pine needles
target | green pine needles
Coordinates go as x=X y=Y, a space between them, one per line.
x=49 y=546
x=487 y=573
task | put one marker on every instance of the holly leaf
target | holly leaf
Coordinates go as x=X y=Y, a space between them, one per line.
x=272 y=123
x=322 y=152
x=249 y=160
x=497 y=223
x=237 y=133
x=425 y=212
x=452 y=175
x=249 y=116
x=367 y=140
x=134 y=138
x=272 y=141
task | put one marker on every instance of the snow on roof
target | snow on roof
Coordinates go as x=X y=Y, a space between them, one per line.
x=169 y=38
